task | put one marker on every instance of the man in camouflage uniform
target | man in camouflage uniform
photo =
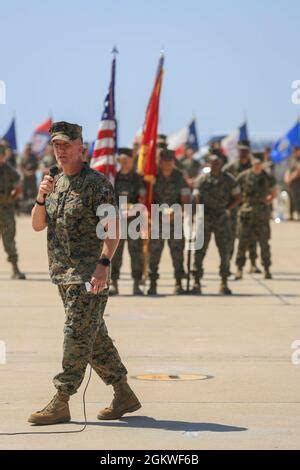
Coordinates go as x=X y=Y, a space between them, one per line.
x=235 y=168
x=47 y=160
x=130 y=185
x=215 y=147
x=29 y=166
x=258 y=190
x=10 y=155
x=292 y=180
x=169 y=188
x=219 y=193
x=77 y=256
x=9 y=190
x=189 y=166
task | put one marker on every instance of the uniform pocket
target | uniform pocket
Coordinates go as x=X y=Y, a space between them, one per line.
x=51 y=205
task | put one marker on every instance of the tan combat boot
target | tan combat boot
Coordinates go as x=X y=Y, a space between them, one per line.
x=268 y=275
x=16 y=274
x=136 y=288
x=124 y=401
x=57 y=411
x=224 y=289
x=114 y=289
x=178 y=289
x=152 y=289
x=239 y=274
x=196 y=290
x=254 y=269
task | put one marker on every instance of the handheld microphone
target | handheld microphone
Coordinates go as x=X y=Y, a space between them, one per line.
x=53 y=171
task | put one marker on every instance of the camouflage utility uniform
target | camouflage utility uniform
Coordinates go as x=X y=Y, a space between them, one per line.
x=216 y=193
x=29 y=163
x=73 y=251
x=190 y=167
x=235 y=168
x=130 y=186
x=9 y=180
x=294 y=187
x=254 y=216
x=168 y=190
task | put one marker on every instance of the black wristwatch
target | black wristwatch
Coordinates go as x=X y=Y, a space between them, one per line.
x=104 y=261
x=40 y=203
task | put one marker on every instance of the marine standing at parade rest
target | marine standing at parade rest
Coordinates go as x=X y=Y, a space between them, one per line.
x=28 y=166
x=10 y=188
x=170 y=188
x=292 y=180
x=220 y=194
x=189 y=166
x=258 y=189
x=235 y=168
x=130 y=186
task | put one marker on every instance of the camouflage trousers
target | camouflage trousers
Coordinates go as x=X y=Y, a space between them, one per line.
x=86 y=340
x=176 y=247
x=135 y=248
x=220 y=227
x=8 y=232
x=252 y=248
x=254 y=228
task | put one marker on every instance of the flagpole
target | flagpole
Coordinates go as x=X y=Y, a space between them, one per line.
x=114 y=53
x=14 y=120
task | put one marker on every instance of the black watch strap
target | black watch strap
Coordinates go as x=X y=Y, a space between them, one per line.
x=104 y=261
x=40 y=203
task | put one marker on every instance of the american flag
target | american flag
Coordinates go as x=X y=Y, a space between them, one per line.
x=103 y=158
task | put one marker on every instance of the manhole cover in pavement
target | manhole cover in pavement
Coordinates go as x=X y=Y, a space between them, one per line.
x=171 y=377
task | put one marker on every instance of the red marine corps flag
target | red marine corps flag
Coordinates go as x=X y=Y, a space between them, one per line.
x=147 y=153
x=104 y=153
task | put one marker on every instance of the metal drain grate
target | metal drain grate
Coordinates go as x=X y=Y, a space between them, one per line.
x=171 y=377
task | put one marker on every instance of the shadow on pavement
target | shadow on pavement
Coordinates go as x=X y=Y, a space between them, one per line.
x=168 y=425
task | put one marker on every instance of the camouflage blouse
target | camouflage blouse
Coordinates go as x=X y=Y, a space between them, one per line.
x=216 y=192
x=254 y=189
x=73 y=244
x=9 y=180
x=168 y=190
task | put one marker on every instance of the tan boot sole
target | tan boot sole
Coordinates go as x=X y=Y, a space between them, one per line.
x=128 y=410
x=40 y=421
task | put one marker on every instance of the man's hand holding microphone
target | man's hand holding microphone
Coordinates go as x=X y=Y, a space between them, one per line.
x=46 y=186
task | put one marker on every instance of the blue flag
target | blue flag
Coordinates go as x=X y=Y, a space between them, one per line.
x=10 y=135
x=283 y=147
x=192 y=139
x=244 y=131
x=91 y=148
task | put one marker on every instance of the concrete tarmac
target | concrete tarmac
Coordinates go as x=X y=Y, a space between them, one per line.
x=248 y=392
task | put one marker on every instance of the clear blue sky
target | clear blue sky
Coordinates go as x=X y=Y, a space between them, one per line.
x=222 y=59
